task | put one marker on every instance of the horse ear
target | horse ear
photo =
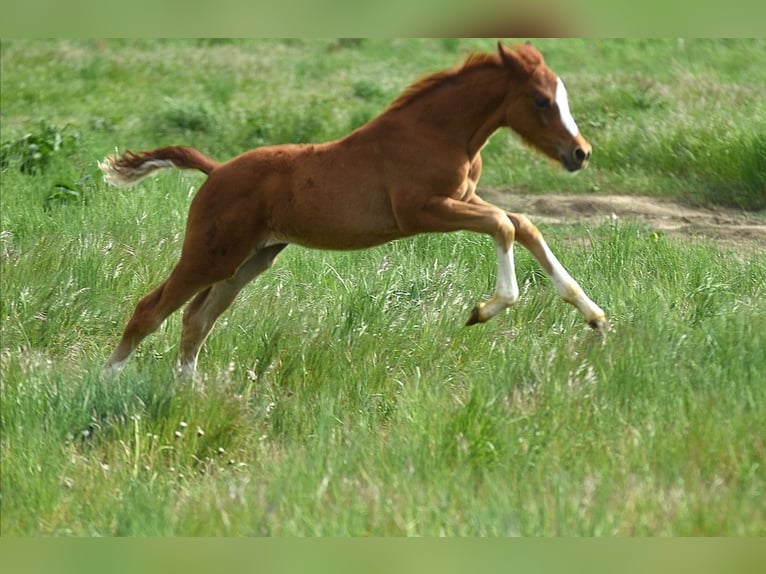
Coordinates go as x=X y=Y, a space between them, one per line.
x=511 y=60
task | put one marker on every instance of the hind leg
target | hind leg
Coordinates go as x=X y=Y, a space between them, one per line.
x=191 y=275
x=222 y=229
x=200 y=315
x=153 y=309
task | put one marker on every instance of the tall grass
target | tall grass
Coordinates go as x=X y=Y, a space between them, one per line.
x=341 y=395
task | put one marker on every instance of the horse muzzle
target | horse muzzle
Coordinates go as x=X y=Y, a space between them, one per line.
x=577 y=157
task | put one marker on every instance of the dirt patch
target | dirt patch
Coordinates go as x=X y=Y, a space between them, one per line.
x=732 y=227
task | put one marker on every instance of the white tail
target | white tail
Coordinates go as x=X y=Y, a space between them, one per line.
x=124 y=176
x=132 y=167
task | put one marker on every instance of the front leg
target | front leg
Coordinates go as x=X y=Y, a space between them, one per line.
x=444 y=214
x=567 y=288
x=506 y=291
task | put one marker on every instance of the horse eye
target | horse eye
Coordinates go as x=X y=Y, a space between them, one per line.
x=542 y=102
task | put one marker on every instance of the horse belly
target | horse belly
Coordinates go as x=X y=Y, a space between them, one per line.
x=331 y=218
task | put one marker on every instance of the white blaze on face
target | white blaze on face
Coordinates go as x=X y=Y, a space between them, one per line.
x=563 y=103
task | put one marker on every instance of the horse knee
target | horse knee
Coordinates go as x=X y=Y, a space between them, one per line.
x=526 y=231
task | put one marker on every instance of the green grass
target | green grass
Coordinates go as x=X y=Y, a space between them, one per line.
x=341 y=395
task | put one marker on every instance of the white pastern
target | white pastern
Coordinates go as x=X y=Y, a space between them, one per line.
x=113 y=368
x=563 y=103
x=569 y=290
x=507 y=287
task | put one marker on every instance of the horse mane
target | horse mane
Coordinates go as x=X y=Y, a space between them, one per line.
x=475 y=61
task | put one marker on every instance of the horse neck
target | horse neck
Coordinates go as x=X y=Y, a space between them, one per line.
x=465 y=110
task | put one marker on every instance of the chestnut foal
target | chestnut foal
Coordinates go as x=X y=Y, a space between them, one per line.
x=411 y=170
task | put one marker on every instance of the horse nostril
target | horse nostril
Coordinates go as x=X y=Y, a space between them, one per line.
x=581 y=155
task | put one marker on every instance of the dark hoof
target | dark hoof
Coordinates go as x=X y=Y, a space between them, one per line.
x=601 y=325
x=474 y=318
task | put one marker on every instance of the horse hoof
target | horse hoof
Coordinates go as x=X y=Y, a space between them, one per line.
x=475 y=317
x=601 y=325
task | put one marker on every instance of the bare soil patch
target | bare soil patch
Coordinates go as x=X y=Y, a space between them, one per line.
x=732 y=227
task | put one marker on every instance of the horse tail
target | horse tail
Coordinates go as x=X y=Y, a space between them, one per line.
x=130 y=167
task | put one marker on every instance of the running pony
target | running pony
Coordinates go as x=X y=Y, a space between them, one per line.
x=411 y=170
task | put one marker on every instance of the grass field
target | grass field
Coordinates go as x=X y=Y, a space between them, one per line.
x=341 y=395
